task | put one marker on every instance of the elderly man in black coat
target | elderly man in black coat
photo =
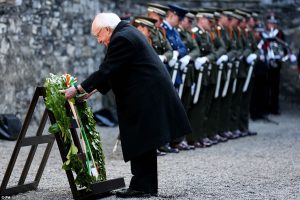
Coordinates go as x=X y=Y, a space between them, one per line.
x=149 y=110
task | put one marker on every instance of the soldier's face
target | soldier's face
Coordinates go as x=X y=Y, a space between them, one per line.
x=223 y=20
x=204 y=23
x=144 y=30
x=174 y=20
x=186 y=23
x=251 y=22
x=153 y=15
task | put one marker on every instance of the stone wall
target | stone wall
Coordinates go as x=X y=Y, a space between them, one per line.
x=42 y=36
x=39 y=37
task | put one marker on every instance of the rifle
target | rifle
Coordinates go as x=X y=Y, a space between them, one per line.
x=249 y=74
x=183 y=80
x=237 y=65
x=219 y=80
x=198 y=86
x=225 y=89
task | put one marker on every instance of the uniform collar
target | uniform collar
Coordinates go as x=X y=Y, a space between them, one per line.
x=168 y=24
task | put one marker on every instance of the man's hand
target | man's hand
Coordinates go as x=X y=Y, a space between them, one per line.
x=69 y=93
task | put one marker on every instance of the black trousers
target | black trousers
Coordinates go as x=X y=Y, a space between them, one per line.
x=144 y=171
x=274 y=80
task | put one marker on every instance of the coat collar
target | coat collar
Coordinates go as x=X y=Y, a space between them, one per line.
x=121 y=25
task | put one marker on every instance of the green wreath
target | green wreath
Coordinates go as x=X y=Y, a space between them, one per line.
x=91 y=169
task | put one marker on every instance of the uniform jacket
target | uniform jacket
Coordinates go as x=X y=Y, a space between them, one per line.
x=149 y=110
x=175 y=40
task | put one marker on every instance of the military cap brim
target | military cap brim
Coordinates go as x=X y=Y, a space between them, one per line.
x=181 y=12
x=143 y=22
x=146 y=18
x=207 y=15
x=159 y=9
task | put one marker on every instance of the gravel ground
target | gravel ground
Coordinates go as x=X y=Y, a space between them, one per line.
x=266 y=166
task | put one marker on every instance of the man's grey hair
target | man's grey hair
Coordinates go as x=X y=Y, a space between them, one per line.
x=110 y=20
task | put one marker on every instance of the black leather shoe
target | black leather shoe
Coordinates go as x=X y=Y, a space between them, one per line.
x=182 y=146
x=213 y=139
x=220 y=138
x=251 y=133
x=224 y=134
x=244 y=133
x=159 y=153
x=236 y=134
x=197 y=144
x=130 y=193
x=167 y=149
x=229 y=135
x=206 y=142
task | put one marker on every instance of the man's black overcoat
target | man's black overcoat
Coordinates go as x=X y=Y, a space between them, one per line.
x=149 y=110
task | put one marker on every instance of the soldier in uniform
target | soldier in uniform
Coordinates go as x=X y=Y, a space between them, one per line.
x=174 y=15
x=163 y=48
x=226 y=52
x=274 y=54
x=259 y=96
x=185 y=90
x=249 y=57
x=203 y=86
x=158 y=35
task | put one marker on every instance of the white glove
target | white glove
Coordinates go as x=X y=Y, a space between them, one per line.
x=184 y=61
x=173 y=60
x=200 y=61
x=163 y=58
x=293 y=58
x=250 y=59
x=223 y=58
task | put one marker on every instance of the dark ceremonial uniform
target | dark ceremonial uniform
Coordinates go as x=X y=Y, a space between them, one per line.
x=160 y=43
x=149 y=110
x=200 y=110
x=193 y=51
x=176 y=44
x=250 y=46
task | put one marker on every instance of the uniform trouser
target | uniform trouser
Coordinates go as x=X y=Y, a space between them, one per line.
x=245 y=106
x=213 y=117
x=225 y=109
x=186 y=100
x=236 y=105
x=144 y=171
x=258 y=102
x=198 y=115
x=273 y=84
x=210 y=97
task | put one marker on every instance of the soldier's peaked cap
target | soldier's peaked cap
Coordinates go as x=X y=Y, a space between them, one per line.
x=181 y=12
x=146 y=18
x=243 y=13
x=158 y=9
x=207 y=14
x=144 y=21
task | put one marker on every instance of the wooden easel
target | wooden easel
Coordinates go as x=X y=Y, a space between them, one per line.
x=98 y=190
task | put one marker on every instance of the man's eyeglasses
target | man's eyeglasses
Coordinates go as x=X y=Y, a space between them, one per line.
x=99 y=33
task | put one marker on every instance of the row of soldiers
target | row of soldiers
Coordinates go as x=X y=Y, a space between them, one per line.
x=211 y=55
